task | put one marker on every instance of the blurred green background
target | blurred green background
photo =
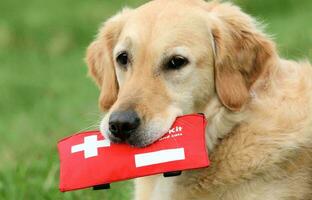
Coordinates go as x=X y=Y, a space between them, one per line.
x=45 y=94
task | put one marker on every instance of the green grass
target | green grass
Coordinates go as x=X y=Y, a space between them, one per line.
x=45 y=95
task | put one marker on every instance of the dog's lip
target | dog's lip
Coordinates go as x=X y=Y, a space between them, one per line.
x=114 y=140
x=134 y=140
x=138 y=143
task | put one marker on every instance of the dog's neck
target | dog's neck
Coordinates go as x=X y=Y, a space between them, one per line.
x=220 y=122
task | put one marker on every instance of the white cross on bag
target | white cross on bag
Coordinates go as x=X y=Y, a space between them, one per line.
x=90 y=146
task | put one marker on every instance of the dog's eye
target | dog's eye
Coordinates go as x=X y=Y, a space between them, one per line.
x=122 y=59
x=177 y=62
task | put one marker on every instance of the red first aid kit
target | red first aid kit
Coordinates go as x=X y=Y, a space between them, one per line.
x=88 y=159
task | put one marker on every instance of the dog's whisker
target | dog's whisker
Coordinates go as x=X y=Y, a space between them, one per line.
x=94 y=125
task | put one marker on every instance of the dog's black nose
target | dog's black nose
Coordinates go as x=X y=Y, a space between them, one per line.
x=123 y=123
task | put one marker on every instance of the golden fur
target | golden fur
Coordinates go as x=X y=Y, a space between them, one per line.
x=258 y=105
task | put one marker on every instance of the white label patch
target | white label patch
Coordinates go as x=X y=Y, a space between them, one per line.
x=157 y=157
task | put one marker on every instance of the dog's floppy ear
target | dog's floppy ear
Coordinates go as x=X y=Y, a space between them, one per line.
x=100 y=59
x=242 y=54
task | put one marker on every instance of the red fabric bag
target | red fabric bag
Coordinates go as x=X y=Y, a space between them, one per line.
x=88 y=159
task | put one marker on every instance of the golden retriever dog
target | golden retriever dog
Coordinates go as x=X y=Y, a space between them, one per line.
x=173 y=57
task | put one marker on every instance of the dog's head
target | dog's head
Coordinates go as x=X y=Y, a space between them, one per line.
x=168 y=58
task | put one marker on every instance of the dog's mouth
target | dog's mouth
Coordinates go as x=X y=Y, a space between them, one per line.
x=146 y=134
x=140 y=138
x=133 y=141
x=143 y=134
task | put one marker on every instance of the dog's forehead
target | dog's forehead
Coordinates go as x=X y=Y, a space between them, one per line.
x=172 y=24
